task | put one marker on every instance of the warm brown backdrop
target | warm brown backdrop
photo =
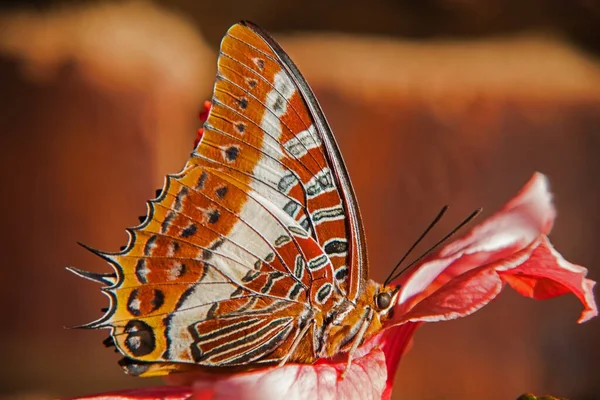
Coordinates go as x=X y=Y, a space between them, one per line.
x=99 y=101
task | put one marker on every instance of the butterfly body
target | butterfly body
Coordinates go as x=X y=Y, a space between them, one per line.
x=254 y=254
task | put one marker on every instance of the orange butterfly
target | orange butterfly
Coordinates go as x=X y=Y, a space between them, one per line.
x=255 y=253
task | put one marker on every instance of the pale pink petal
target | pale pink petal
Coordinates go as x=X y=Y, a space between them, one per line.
x=511 y=246
x=458 y=298
x=366 y=379
x=521 y=221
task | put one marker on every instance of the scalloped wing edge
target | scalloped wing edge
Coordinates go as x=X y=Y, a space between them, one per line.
x=113 y=280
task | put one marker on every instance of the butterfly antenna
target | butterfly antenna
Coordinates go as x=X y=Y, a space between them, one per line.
x=435 y=246
x=431 y=225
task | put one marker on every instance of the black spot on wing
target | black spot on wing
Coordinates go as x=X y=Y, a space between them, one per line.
x=291 y=207
x=250 y=276
x=252 y=83
x=183 y=192
x=150 y=243
x=323 y=292
x=164 y=226
x=189 y=231
x=273 y=276
x=281 y=240
x=213 y=311
x=179 y=270
x=336 y=246
x=140 y=340
x=141 y=270
x=213 y=216
x=134 y=367
x=278 y=105
x=341 y=274
x=187 y=293
x=221 y=192
x=201 y=180
x=232 y=153
x=295 y=291
x=240 y=127
x=207 y=253
x=299 y=267
x=158 y=300
x=166 y=355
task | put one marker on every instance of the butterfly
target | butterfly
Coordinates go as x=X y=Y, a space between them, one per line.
x=254 y=254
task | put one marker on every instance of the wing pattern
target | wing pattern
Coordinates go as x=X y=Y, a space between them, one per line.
x=262 y=130
x=250 y=245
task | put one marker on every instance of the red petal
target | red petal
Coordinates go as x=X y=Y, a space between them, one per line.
x=511 y=246
x=151 y=393
x=203 y=115
x=547 y=274
x=199 y=135
x=395 y=342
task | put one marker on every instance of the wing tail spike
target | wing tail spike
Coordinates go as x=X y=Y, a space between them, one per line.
x=102 y=322
x=90 y=325
x=108 y=279
x=102 y=254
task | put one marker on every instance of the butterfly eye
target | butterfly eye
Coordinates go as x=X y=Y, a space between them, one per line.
x=383 y=300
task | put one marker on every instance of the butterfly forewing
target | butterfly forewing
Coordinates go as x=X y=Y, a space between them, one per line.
x=267 y=129
x=253 y=240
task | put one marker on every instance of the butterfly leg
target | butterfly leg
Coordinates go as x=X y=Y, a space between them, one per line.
x=358 y=340
x=295 y=344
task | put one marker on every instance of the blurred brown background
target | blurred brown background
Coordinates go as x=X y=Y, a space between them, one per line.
x=433 y=102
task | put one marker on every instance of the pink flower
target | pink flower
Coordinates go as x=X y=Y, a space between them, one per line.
x=510 y=247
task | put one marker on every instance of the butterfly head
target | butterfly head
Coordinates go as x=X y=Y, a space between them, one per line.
x=384 y=299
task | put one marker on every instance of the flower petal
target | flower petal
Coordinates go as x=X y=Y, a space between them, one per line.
x=520 y=222
x=394 y=342
x=511 y=246
x=366 y=379
x=149 y=393
x=547 y=274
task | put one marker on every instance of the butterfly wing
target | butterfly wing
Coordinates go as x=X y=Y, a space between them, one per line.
x=267 y=128
x=258 y=231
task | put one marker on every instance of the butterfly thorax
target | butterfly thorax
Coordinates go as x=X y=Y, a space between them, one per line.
x=347 y=325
